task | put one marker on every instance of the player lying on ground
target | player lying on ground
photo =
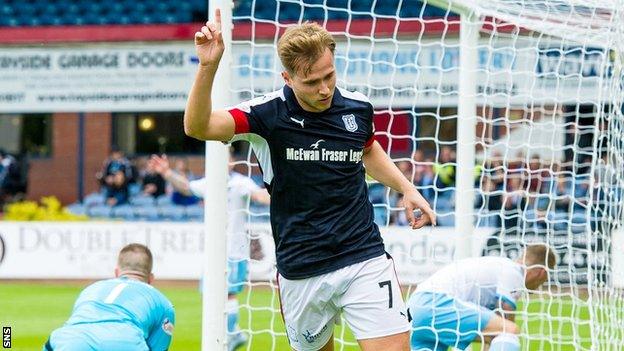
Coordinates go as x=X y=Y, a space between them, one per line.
x=312 y=141
x=125 y=313
x=240 y=190
x=474 y=300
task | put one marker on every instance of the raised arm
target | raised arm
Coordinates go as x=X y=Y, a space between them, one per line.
x=177 y=181
x=200 y=121
x=381 y=168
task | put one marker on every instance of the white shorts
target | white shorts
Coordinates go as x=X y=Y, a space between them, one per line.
x=366 y=293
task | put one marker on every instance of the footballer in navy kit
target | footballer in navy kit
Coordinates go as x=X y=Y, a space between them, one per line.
x=313 y=142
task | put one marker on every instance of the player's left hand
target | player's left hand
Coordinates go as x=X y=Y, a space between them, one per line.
x=413 y=201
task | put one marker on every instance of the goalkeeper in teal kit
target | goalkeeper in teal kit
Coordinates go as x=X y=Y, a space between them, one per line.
x=125 y=313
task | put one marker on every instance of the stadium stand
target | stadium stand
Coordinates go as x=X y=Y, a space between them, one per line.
x=15 y=13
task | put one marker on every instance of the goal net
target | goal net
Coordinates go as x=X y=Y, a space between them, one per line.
x=512 y=130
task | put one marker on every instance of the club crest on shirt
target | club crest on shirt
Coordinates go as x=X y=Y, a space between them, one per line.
x=167 y=327
x=349 y=122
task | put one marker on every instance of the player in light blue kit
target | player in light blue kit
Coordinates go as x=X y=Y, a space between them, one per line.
x=474 y=299
x=241 y=189
x=125 y=313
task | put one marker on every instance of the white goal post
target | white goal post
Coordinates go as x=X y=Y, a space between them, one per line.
x=506 y=114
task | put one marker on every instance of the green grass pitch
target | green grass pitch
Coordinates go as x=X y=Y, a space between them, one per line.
x=34 y=309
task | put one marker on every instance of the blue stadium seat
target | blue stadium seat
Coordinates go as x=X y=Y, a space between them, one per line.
x=446 y=220
x=146 y=213
x=199 y=6
x=161 y=7
x=530 y=220
x=47 y=20
x=432 y=11
x=386 y=7
x=6 y=11
x=69 y=7
x=242 y=9
x=95 y=18
x=381 y=215
x=195 y=213
x=377 y=193
x=91 y=7
x=265 y=9
x=164 y=200
x=135 y=10
x=115 y=18
x=410 y=9
x=9 y=21
x=135 y=17
x=559 y=221
x=74 y=20
x=157 y=17
x=165 y=18
x=133 y=188
x=487 y=219
x=313 y=13
x=99 y=211
x=578 y=222
x=337 y=15
x=341 y=4
x=142 y=200
x=94 y=199
x=183 y=17
x=145 y=19
x=116 y=8
x=24 y=8
x=123 y=212
x=77 y=209
x=30 y=21
x=443 y=205
x=172 y=212
x=289 y=11
x=184 y=6
x=362 y=6
x=50 y=9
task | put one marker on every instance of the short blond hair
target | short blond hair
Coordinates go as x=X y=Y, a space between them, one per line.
x=301 y=46
x=539 y=254
x=135 y=259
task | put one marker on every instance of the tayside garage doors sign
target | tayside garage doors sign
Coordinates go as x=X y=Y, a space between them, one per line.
x=157 y=77
x=122 y=77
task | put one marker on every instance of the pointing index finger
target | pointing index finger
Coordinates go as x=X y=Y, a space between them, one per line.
x=218 y=18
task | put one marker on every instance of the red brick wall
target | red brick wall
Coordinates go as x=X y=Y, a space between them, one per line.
x=58 y=174
x=97 y=143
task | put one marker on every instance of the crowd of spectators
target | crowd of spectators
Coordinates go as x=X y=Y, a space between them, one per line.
x=510 y=192
x=133 y=189
x=13 y=178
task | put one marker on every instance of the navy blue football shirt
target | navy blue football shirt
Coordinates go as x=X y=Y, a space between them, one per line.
x=312 y=165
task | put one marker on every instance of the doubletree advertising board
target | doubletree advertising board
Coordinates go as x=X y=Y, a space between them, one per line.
x=88 y=250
